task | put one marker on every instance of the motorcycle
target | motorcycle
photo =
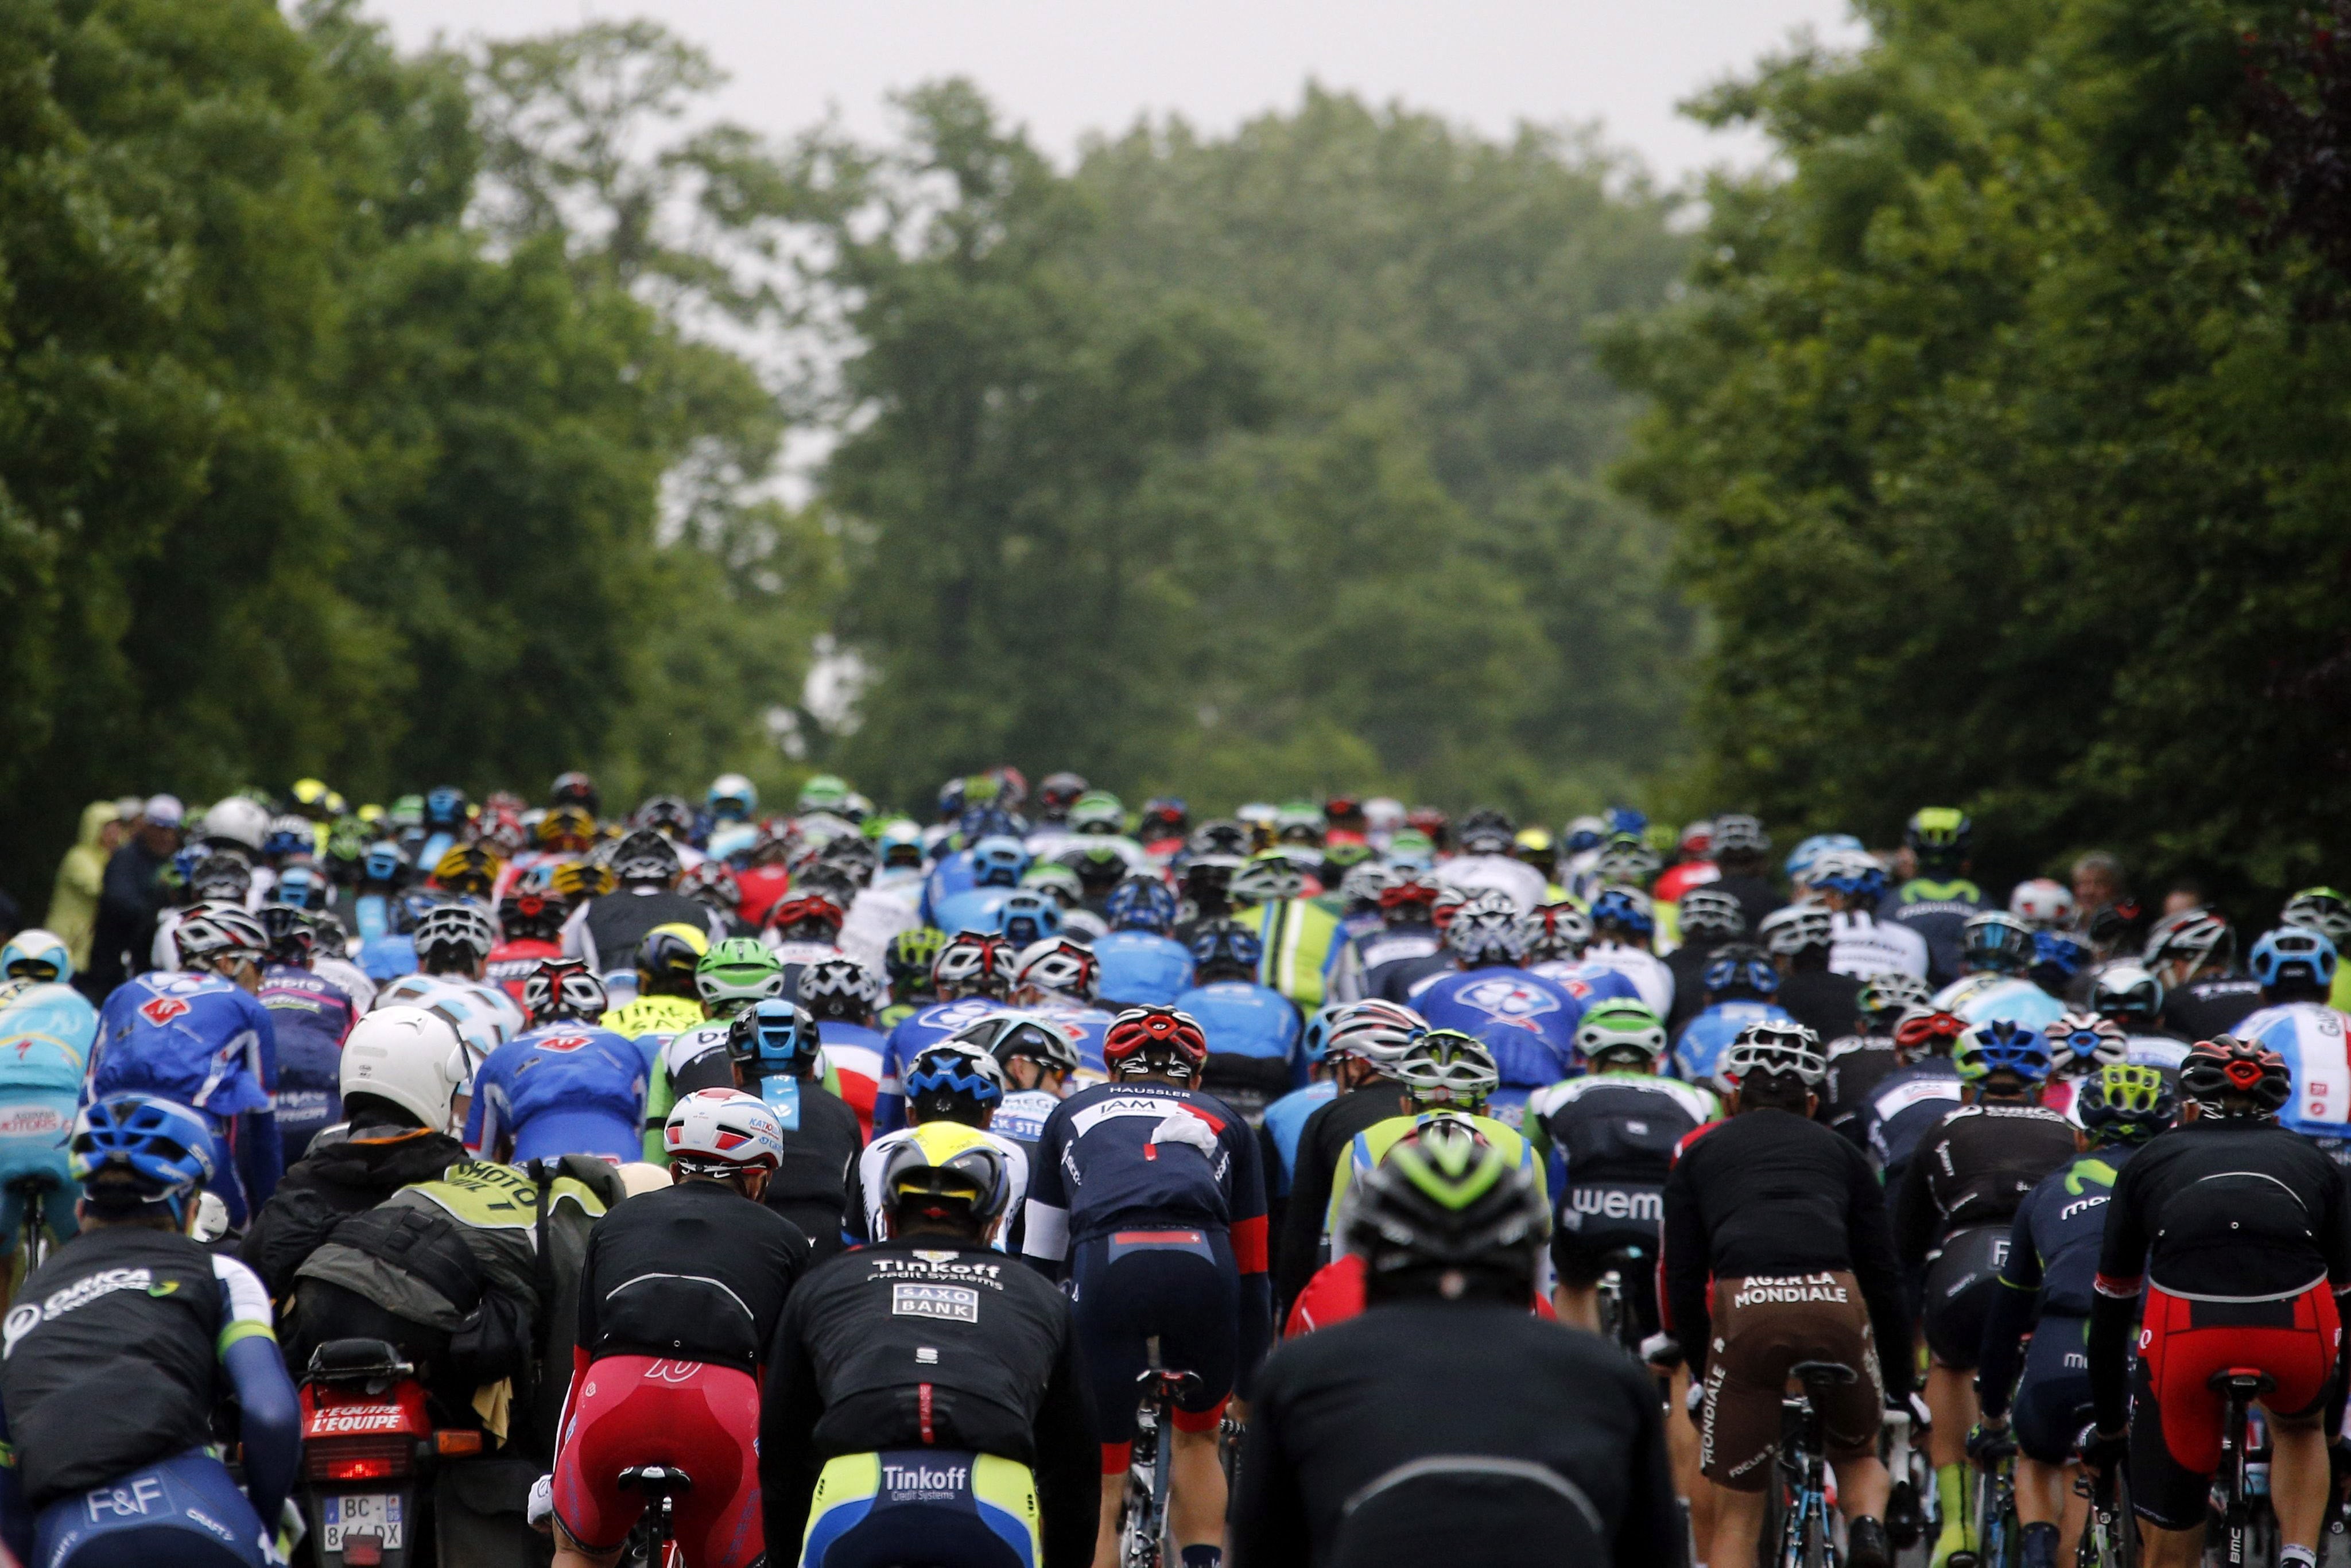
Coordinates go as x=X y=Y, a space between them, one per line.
x=369 y=1450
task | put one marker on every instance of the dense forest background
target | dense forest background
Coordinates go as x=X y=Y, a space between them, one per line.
x=401 y=419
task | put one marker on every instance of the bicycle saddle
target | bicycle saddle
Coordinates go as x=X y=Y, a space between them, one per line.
x=656 y=1480
x=2248 y=1381
x=1824 y=1373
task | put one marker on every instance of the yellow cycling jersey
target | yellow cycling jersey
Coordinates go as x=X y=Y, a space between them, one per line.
x=1299 y=937
x=1371 y=1145
x=653 y=1015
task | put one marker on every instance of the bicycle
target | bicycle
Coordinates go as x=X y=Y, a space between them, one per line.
x=2233 y=1496
x=2109 y=1538
x=1618 y=1320
x=34 y=1243
x=1142 y=1525
x=1913 y=1479
x=654 y=1541
x=1806 y=1537
x=1996 y=1523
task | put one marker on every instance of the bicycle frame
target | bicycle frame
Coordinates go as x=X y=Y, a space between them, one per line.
x=2109 y=1538
x=1143 y=1529
x=1996 y=1517
x=2240 y=1387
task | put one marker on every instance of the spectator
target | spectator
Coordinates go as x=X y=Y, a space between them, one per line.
x=73 y=902
x=2186 y=893
x=131 y=896
x=2097 y=881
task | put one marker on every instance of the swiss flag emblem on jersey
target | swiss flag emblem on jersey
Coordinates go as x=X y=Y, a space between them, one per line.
x=563 y=1043
x=162 y=1010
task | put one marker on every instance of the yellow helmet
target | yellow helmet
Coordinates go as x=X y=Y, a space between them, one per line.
x=947 y=1159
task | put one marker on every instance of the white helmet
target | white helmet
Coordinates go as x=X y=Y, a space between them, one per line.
x=1061 y=966
x=722 y=1130
x=239 y=821
x=2042 y=903
x=410 y=1056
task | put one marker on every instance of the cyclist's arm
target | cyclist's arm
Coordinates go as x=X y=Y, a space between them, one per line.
x=1268 y=1522
x=1651 y=1531
x=2009 y=1319
x=1248 y=1244
x=271 y=1420
x=1914 y=1212
x=1068 y=1462
x=2122 y=1261
x=789 y=1404
x=1682 y=1266
x=660 y=1098
x=1871 y=1239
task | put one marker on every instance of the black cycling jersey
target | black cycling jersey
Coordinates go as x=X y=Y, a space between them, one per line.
x=1826 y=1003
x=617 y=922
x=1688 y=964
x=1938 y=912
x=2203 y=1008
x=2232 y=1209
x=113 y=1356
x=1857 y=1062
x=811 y=1187
x=691 y=1273
x=1973 y=1167
x=1322 y=1145
x=1902 y=1105
x=2052 y=1264
x=1430 y=1431
x=1757 y=898
x=906 y=1344
x=1769 y=1193
x=1616 y=1127
x=1395 y=980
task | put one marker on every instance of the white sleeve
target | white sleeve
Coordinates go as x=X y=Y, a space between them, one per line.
x=244 y=1301
x=1047 y=1236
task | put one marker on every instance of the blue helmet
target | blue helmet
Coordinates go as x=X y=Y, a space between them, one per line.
x=444 y=807
x=2002 y=1045
x=1315 y=1044
x=288 y=836
x=1226 y=944
x=1800 y=859
x=774 y=1038
x=159 y=1150
x=35 y=949
x=1741 y=965
x=2056 y=958
x=953 y=1070
x=997 y=860
x=1625 y=820
x=2293 y=953
x=1028 y=917
x=1142 y=904
x=385 y=861
x=301 y=886
x=1848 y=871
x=732 y=797
x=184 y=861
x=1623 y=906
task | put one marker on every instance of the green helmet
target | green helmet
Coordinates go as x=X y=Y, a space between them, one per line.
x=1062 y=881
x=909 y=958
x=408 y=812
x=822 y=793
x=1444 y=1196
x=1621 y=1027
x=1098 y=811
x=2123 y=1102
x=736 y=973
x=1447 y=1067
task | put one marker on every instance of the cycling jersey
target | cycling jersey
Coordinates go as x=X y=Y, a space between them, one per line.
x=312 y=1015
x=511 y=963
x=1021 y=1116
x=1688 y=964
x=1769 y=1195
x=46 y=1033
x=113 y=1352
x=694 y=1271
x=2213 y=1006
x=484 y=1015
x=821 y=1142
x=608 y=929
x=652 y=1021
x=1252 y=1033
x=926 y=1027
x=2311 y=1036
x=1861 y=945
x=974 y=909
x=1697 y=1049
x=1986 y=997
x=1371 y=1145
x=922 y=1352
x=1085 y=1028
x=1298 y=936
x=1358 y=954
x=1857 y=1064
x=1952 y=1208
x=1323 y=1143
x=1826 y=1003
x=202 y=1042
x=185 y=1510
x=864 y=1215
x=1279 y=1132
x=1904 y=1103
x=2051 y=1269
x=1141 y=968
x=691 y=1059
x=1128 y=1155
x=1527 y=1021
x=1935 y=911
x=1653 y=981
x=1613 y=1135
x=762 y=887
x=566 y=1088
x=1757 y=898
x=853 y=1053
x=387 y=957
x=1428 y=1431
x=877 y=914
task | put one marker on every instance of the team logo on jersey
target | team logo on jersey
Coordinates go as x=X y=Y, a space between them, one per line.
x=566 y=1043
x=1508 y=1001
x=163 y=1011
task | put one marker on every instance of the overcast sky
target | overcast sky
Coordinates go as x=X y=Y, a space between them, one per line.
x=1068 y=66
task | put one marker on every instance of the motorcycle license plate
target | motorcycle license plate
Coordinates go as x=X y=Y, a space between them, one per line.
x=362 y=1513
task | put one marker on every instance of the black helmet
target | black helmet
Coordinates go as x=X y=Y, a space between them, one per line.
x=645 y=856
x=1444 y=1197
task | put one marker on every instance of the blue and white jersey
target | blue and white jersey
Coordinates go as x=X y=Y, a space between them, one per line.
x=2312 y=1038
x=1241 y=1017
x=952 y=874
x=187 y=1036
x=569 y=1088
x=1652 y=982
x=1085 y=1028
x=1347 y=979
x=1984 y=998
x=1699 y=1052
x=1021 y=1116
x=2157 y=1051
x=1527 y=1021
x=47 y=1030
x=926 y=1027
x=1284 y=1123
x=1142 y=969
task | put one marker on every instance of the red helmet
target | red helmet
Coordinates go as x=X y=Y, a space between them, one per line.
x=2217 y=1068
x=1161 y=1030
x=801 y=908
x=1920 y=1029
x=1409 y=889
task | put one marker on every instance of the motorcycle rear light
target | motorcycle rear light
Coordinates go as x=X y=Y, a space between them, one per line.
x=356 y=1459
x=459 y=1442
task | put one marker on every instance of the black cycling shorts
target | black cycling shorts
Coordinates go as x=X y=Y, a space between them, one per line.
x=1177 y=1286
x=2053 y=1396
x=1605 y=1225
x=1961 y=1284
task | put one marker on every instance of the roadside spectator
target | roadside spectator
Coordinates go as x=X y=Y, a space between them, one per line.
x=73 y=902
x=131 y=896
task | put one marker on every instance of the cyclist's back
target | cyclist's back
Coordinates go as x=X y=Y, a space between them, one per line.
x=566 y=1087
x=46 y=1031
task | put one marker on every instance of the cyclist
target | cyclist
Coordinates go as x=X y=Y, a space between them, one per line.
x=907 y=963
x=1859 y=1061
x=1915 y=1095
x=667 y=1001
x=199 y=1037
x=2241 y=1231
x=565 y=1086
x=1996 y=949
x=731 y=976
x=312 y=1015
x=453 y=943
x=1614 y=1133
x=994 y=864
x=1777 y=1250
x=1622 y=925
x=842 y=993
x=1141 y=963
x=774 y=1048
x=1527 y=1021
x=1740 y=982
x=680 y=1293
x=1296 y=935
x=972 y=976
x=1741 y=851
x=607 y=930
x=1445 y=1423
x=2319 y=909
x=2194 y=954
x=1853 y=885
x=124 y=1345
x=1038 y=1059
x=956 y=1080
x=1252 y=1030
x=1952 y=1210
x=1711 y=920
x=923 y=1403
x=1487 y=861
x=2296 y=970
x=1284 y=1121
x=1798 y=939
x=1406 y=949
x=530 y=923
x=1363 y=1041
x=1058 y=976
x=2079 y=1044
x=1939 y=899
x=2046 y=1293
x=46 y=1031
x=1147 y=1196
